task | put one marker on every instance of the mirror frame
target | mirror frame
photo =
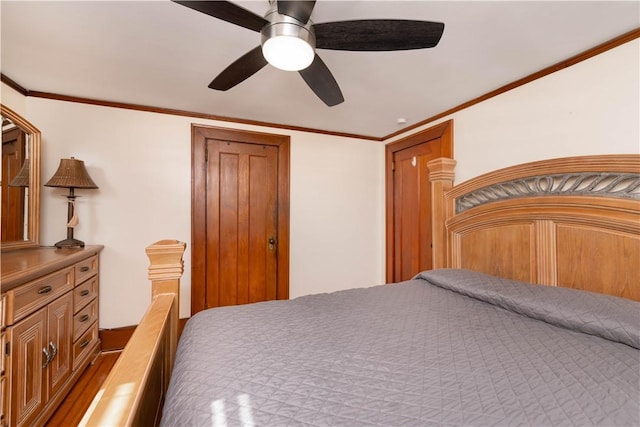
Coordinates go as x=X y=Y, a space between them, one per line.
x=33 y=215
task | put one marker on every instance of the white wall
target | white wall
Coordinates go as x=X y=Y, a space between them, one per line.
x=14 y=100
x=142 y=163
x=592 y=107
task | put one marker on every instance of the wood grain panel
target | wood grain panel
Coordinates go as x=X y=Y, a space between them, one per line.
x=599 y=261
x=228 y=229
x=261 y=222
x=514 y=242
x=258 y=236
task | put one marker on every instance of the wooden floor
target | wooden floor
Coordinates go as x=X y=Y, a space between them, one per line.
x=72 y=409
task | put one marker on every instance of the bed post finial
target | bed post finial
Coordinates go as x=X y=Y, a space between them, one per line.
x=166 y=264
x=441 y=176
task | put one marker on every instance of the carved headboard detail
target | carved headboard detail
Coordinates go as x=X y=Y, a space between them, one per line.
x=571 y=222
x=624 y=185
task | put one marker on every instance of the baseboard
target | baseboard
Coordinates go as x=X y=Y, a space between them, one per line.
x=115 y=339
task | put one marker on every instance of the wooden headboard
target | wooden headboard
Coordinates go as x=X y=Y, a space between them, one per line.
x=571 y=222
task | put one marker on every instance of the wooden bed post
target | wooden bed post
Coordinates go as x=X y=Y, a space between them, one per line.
x=134 y=391
x=441 y=176
x=165 y=269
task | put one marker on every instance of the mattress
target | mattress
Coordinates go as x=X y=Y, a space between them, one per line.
x=450 y=347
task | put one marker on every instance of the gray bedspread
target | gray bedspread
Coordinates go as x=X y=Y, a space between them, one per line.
x=451 y=347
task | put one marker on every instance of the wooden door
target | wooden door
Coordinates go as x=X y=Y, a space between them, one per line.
x=59 y=341
x=28 y=381
x=242 y=223
x=240 y=230
x=409 y=225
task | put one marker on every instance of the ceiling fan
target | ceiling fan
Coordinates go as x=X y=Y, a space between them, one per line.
x=290 y=38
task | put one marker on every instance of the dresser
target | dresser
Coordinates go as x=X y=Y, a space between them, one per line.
x=49 y=328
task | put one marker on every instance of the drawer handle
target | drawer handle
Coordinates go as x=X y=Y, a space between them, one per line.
x=84 y=318
x=54 y=349
x=47 y=357
x=84 y=293
x=45 y=290
x=85 y=269
x=84 y=343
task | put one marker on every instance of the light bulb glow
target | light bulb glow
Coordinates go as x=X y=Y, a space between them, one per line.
x=288 y=53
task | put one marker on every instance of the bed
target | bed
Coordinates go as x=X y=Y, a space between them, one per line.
x=478 y=340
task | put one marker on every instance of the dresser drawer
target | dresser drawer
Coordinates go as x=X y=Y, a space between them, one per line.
x=83 y=346
x=86 y=268
x=84 y=318
x=84 y=293
x=26 y=299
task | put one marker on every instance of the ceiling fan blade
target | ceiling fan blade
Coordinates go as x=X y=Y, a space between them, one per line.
x=227 y=11
x=322 y=82
x=300 y=10
x=377 y=34
x=243 y=68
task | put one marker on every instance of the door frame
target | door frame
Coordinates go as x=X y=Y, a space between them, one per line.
x=443 y=131
x=199 y=135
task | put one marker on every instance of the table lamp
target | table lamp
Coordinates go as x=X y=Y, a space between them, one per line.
x=71 y=174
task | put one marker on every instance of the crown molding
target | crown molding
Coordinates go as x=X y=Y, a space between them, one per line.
x=601 y=48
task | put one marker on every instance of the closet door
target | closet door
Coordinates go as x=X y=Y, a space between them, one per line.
x=242 y=226
x=240 y=217
x=408 y=200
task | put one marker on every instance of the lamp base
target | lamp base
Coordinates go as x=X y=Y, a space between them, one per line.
x=70 y=243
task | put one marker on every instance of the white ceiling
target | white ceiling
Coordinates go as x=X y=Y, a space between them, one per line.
x=161 y=54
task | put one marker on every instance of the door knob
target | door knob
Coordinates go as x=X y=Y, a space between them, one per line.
x=272 y=243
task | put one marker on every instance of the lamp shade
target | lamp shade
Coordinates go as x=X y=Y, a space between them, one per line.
x=71 y=174
x=22 y=178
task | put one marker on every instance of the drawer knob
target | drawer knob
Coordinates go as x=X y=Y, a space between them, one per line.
x=84 y=343
x=84 y=318
x=85 y=268
x=45 y=290
x=84 y=293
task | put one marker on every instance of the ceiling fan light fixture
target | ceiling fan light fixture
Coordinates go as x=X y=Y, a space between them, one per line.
x=287 y=43
x=288 y=53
